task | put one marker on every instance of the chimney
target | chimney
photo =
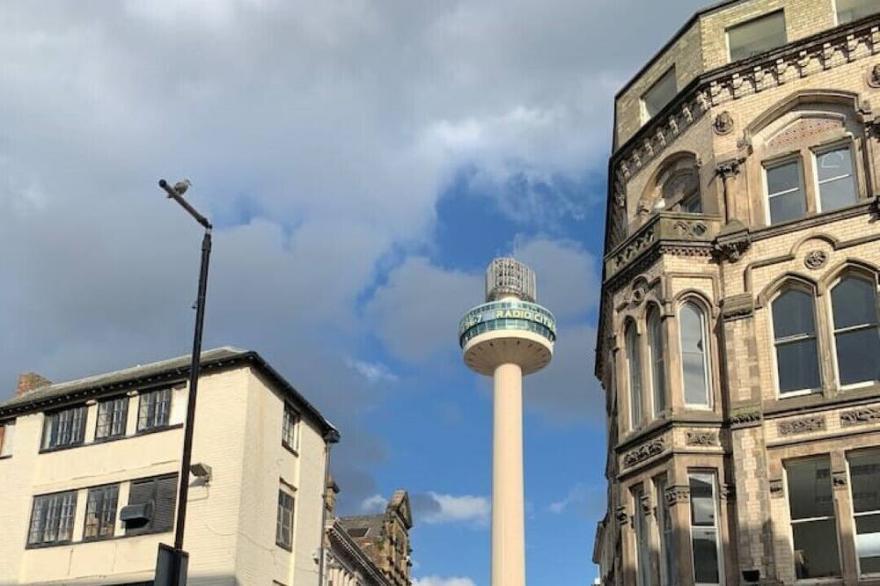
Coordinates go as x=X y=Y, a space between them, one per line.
x=29 y=381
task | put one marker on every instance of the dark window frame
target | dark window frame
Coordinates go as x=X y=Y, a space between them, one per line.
x=290 y=428
x=284 y=519
x=109 y=428
x=60 y=434
x=102 y=502
x=150 y=527
x=59 y=510
x=797 y=521
x=154 y=409
x=752 y=21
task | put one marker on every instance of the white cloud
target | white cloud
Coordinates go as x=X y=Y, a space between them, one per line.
x=374 y=372
x=373 y=504
x=438 y=581
x=582 y=500
x=435 y=508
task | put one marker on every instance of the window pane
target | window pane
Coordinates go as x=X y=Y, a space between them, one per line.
x=837 y=193
x=660 y=94
x=658 y=369
x=702 y=500
x=832 y=164
x=785 y=192
x=857 y=355
x=635 y=375
x=789 y=206
x=868 y=543
x=693 y=355
x=756 y=36
x=705 y=543
x=850 y=10
x=809 y=488
x=798 y=366
x=853 y=302
x=815 y=549
x=864 y=471
x=783 y=178
x=793 y=314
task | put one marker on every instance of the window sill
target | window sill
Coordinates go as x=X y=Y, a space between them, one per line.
x=150 y=430
x=290 y=449
x=5 y=456
x=97 y=540
x=288 y=548
x=101 y=441
x=45 y=545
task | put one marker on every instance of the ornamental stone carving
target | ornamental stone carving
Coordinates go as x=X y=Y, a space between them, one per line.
x=838 y=479
x=776 y=488
x=860 y=416
x=621 y=515
x=815 y=259
x=645 y=502
x=746 y=417
x=638 y=292
x=803 y=425
x=701 y=438
x=677 y=494
x=873 y=76
x=732 y=242
x=643 y=452
x=723 y=123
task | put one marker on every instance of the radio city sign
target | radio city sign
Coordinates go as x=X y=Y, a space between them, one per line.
x=506 y=310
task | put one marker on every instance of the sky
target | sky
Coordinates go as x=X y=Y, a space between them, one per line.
x=362 y=161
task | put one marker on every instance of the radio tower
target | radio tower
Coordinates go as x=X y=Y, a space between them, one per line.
x=508 y=336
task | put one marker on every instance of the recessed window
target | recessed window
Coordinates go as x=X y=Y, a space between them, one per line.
x=643 y=547
x=856 y=333
x=834 y=175
x=785 y=191
x=284 y=520
x=154 y=501
x=864 y=473
x=659 y=94
x=657 y=358
x=850 y=10
x=756 y=36
x=704 y=528
x=290 y=429
x=52 y=518
x=794 y=331
x=668 y=566
x=634 y=368
x=154 y=409
x=112 y=416
x=64 y=428
x=7 y=437
x=101 y=512
x=813 y=526
x=694 y=355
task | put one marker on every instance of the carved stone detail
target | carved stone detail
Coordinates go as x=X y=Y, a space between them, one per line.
x=746 y=417
x=702 y=438
x=732 y=242
x=803 y=425
x=677 y=494
x=838 y=479
x=737 y=306
x=645 y=503
x=723 y=123
x=860 y=416
x=815 y=259
x=643 y=452
x=873 y=76
x=776 y=488
x=638 y=292
x=635 y=247
x=622 y=517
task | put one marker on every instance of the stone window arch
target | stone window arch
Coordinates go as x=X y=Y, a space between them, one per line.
x=855 y=326
x=794 y=326
x=695 y=353
x=675 y=186
x=656 y=359
x=634 y=373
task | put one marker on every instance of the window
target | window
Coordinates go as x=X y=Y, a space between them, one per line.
x=634 y=365
x=112 y=415
x=834 y=175
x=756 y=36
x=813 y=525
x=694 y=355
x=284 y=522
x=856 y=334
x=157 y=497
x=668 y=567
x=864 y=473
x=154 y=409
x=64 y=428
x=657 y=357
x=52 y=518
x=692 y=204
x=101 y=512
x=785 y=191
x=850 y=10
x=794 y=330
x=290 y=429
x=7 y=436
x=704 y=528
x=659 y=94
x=643 y=547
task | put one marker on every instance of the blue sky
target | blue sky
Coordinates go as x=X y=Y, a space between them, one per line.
x=363 y=161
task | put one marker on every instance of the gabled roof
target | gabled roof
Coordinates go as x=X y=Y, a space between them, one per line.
x=157 y=373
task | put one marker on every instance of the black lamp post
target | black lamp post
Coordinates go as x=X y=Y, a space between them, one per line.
x=171 y=566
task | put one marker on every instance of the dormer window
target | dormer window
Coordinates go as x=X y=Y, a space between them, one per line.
x=659 y=94
x=756 y=36
x=850 y=10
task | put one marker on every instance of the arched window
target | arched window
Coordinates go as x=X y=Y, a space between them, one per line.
x=694 y=355
x=794 y=333
x=634 y=366
x=856 y=334
x=657 y=360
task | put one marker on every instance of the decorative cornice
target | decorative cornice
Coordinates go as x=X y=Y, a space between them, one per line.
x=802 y=425
x=645 y=451
x=746 y=417
x=702 y=438
x=860 y=416
x=677 y=494
x=732 y=242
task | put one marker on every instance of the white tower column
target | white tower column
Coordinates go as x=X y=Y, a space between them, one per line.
x=508 y=527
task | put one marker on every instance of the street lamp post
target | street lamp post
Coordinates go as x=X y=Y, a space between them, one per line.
x=176 y=574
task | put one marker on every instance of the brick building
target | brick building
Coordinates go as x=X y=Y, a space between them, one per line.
x=738 y=341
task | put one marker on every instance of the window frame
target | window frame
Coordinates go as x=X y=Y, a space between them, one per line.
x=872 y=280
x=792 y=522
x=707 y=350
x=666 y=541
x=776 y=162
x=150 y=528
x=753 y=20
x=144 y=422
x=646 y=116
x=7 y=438
x=61 y=515
x=823 y=149
x=855 y=515
x=837 y=15
x=50 y=418
x=642 y=531
x=713 y=474
x=817 y=337
x=109 y=434
x=635 y=384
x=285 y=514
x=101 y=512
x=291 y=424
x=655 y=336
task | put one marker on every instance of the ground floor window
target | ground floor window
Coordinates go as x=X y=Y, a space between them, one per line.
x=864 y=472
x=813 y=525
x=668 y=567
x=643 y=553
x=704 y=527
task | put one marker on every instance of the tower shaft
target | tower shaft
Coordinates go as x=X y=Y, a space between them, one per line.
x=508 y=541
